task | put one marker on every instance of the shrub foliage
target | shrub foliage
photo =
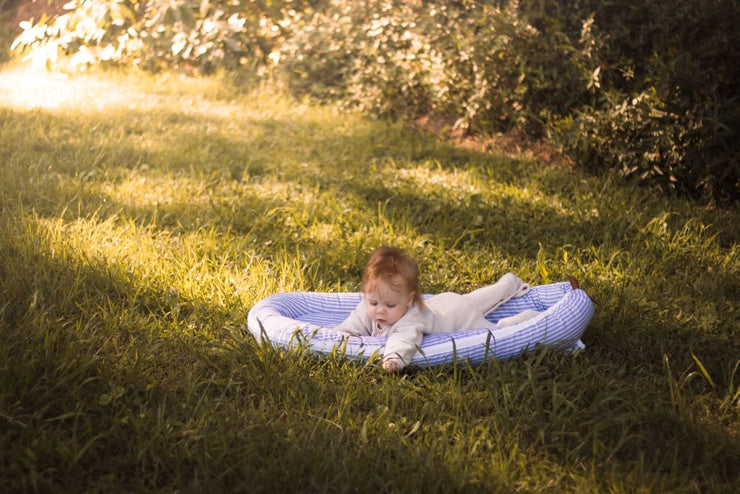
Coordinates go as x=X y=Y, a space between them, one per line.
x=648 y=89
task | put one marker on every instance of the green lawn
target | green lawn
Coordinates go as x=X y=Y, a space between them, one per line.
x=141 y=218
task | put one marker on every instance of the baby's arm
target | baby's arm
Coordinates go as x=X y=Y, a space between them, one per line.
x=357 y=324
x=401 y=346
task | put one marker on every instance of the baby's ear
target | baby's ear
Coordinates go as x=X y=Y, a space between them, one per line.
x=410 y=301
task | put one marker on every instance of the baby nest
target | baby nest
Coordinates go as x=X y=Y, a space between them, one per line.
x=307 y=318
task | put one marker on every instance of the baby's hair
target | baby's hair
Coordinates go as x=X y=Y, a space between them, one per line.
x=388 y=262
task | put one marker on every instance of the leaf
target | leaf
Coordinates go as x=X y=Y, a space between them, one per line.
x=203 y=8
x=703 y=370
x=415 y=428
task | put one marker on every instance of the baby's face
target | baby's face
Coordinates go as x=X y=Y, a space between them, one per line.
x=385 y=303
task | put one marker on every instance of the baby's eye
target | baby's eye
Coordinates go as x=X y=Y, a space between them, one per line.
x=373 y=303
x=390 y=306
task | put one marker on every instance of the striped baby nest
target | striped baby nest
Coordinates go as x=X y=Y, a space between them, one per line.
x=307 y=318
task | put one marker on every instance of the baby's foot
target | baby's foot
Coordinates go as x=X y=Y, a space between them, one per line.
x=573 y=282
x=518 y=286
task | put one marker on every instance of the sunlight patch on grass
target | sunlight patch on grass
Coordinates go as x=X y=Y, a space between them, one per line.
x=453 y=180
x=27 y=88
x=201 y=268
x=144 y=190
x=323 y=232
x=467 y=187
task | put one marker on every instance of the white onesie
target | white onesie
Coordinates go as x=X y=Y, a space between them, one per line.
x=443 y=313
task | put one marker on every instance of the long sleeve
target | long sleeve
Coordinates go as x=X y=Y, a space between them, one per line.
x=405 y=336
x=403 y=342
x=357 y=323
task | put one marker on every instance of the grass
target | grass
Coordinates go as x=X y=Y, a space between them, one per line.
x=141 y=218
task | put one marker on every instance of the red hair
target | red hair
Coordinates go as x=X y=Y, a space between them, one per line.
x=386 y=263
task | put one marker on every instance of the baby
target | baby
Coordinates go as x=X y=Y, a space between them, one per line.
x=392 y=306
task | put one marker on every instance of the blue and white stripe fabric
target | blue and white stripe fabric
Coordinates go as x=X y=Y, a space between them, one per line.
x=307 y=318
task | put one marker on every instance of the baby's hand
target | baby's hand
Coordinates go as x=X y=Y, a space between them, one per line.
x=392 y=365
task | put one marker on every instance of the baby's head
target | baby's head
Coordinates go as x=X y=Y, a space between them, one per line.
x=390 y=285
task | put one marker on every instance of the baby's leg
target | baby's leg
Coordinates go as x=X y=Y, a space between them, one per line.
x=517 y=318
x=490 y=297
x=483 y=323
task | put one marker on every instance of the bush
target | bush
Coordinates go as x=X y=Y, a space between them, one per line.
x=155 y=35
x=507 y=74
x=375 y=55
x=475 y=61
x=667 y=110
